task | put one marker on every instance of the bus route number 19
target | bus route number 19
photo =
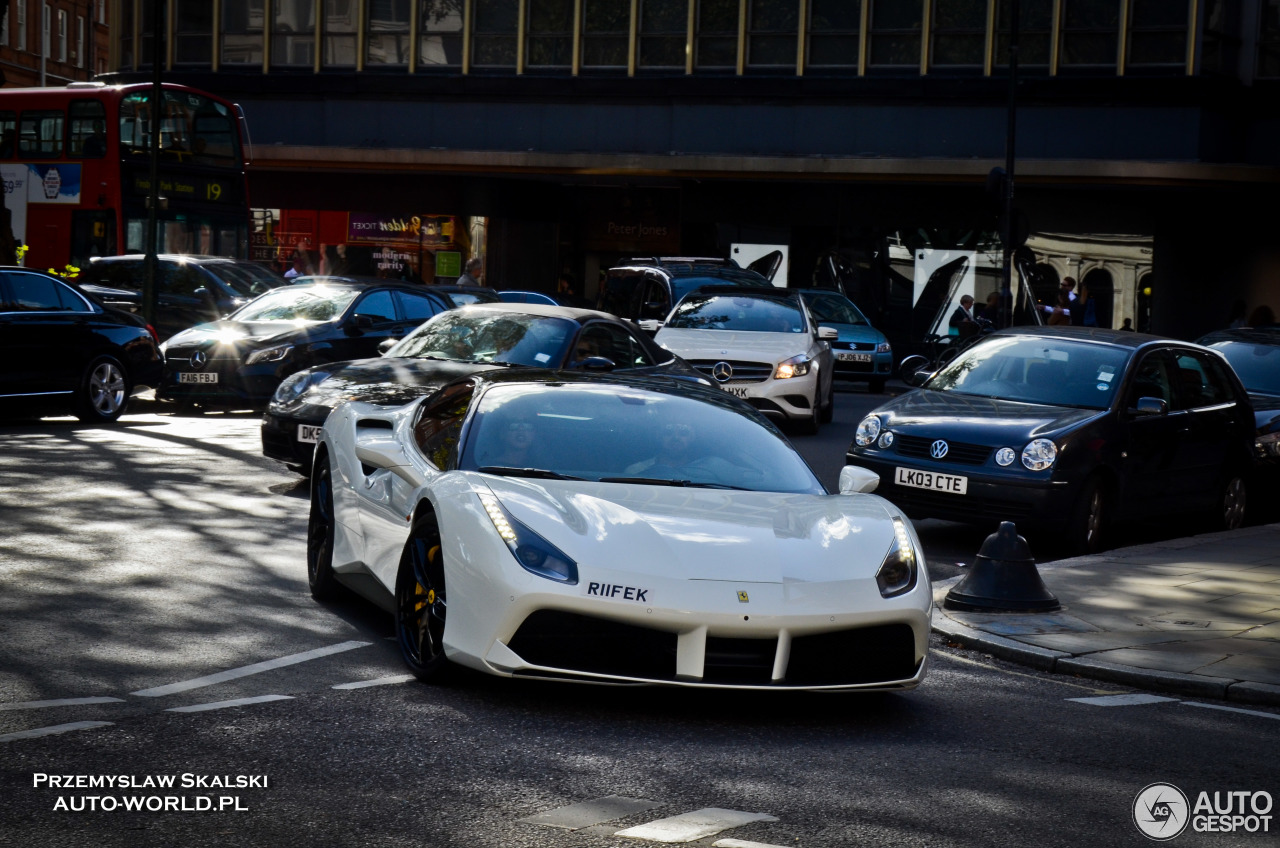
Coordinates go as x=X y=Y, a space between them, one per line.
x=212 y=191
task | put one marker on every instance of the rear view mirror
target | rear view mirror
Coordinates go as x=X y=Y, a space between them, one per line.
x=650 y=326
x=597 y=363
x=828 y=333
x=386 y=345
x=359 y=324
x=854 y=479
x=1148 y=406
x=918 y=378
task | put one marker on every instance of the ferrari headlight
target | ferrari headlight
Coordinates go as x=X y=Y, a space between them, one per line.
x=897 y=573
x=268 y=354
x=296 y=385
x=1267 y=445
x=534 y=553
x=796 y=366
x=867 y=431
x=1039 y=455
x=884 y=347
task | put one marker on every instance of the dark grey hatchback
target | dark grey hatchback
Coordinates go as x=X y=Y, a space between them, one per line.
x=1067 y=429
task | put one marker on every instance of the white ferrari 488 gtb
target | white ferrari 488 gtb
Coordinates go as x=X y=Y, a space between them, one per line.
x=614 y=530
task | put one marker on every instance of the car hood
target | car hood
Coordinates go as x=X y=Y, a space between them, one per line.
x=387 y=380
x=703 y=534
x=725 y=344
x=255 y=334
x=1266 y=412
x=980 y=420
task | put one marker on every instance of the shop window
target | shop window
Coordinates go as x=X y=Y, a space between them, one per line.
x=439 y=34
x=894 y=34
x=1269 y=40
x=341 y=24
x=834 y=33
x=40 y=133
x=549 y=39
x=1220 y=40
x=959 y=34
x=1090 y=33
x=193 y=32
x=1035 y=33
x=242 y=31
x=1158 y=34
x=717 y=35
x=388 y=39
x=772 y=33
x=606 y=33
x=493 y=40
x=663 y=33
x=293 y=33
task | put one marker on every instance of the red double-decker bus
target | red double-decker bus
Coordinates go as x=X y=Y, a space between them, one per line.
x=75 y=161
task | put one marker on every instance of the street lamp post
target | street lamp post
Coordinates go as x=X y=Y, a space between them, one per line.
x=152 y=263
x=1010 y=141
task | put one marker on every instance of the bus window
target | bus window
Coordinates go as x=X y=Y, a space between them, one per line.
x=88 y=121
x=8 y=128
x=41 y=134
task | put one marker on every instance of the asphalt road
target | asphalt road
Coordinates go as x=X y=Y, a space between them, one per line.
x=156 y=569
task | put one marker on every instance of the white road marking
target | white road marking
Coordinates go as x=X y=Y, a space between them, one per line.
x=588 y=813
x=742 y=843
x=221 y=705
x=60 y=702
x=54 y=730
x=1130 y=700
x=245 y=671
x=1232 y=710
x=380 y=681
x=688 y=827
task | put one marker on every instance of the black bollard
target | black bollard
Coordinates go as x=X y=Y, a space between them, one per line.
x=1003 y=578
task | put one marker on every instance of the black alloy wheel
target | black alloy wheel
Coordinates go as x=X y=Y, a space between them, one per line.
x=1087 y=527
x=420 y=602
x=103 y=392
x=1233 y=503
x=320 y=531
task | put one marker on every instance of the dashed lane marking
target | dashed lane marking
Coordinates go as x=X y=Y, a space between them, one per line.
x=1232 y=710
x=968 y=661
x=1129 y=700
x=54 y=730
x=688 y=827
x=379 y=681
x=589 y=813
x=60 y=702
x=222 y=705
x=245 y=671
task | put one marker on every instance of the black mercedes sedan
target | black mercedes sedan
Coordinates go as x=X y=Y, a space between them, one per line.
x=460 y=342
x=61 y=350
x=1068 y=429
x=244 y=357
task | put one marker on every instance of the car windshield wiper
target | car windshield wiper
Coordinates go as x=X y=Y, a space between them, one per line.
x=539 y=473
x=666 y=481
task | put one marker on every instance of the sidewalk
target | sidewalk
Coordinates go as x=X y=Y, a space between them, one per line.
x=1198 y=616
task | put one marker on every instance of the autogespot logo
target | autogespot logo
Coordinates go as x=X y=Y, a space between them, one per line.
x=1160 y=811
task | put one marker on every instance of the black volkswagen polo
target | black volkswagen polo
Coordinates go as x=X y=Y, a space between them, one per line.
x=243 y=357
x=1067 y=429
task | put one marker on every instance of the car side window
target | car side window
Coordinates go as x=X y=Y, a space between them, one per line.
x=440 y=422
x=183 y=279
x=377 y=305
x=1151 y=379
x=656 y=303
x=1195 y=387
x=613 y=343
x=416 y=307
x=31 y=293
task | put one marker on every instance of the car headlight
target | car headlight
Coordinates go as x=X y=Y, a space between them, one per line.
x=796 y=366
x=534 y=553
x=268 y=354
x=867 y=432
x=884 y=347
x=1267 y=445
x=296 y=385
x=1039 y=455
x=897 y=573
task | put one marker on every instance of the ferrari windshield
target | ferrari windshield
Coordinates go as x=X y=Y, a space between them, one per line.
x=628 y=434
x=480 y=335
x=740 y=313
x=1257 y=365
x=298 y=304
x=1036 y=369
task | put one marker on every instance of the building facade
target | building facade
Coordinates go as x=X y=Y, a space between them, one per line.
x=53 y=42
x=576 y=132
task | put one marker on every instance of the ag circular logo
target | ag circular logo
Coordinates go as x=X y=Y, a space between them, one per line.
x=1161 y=812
